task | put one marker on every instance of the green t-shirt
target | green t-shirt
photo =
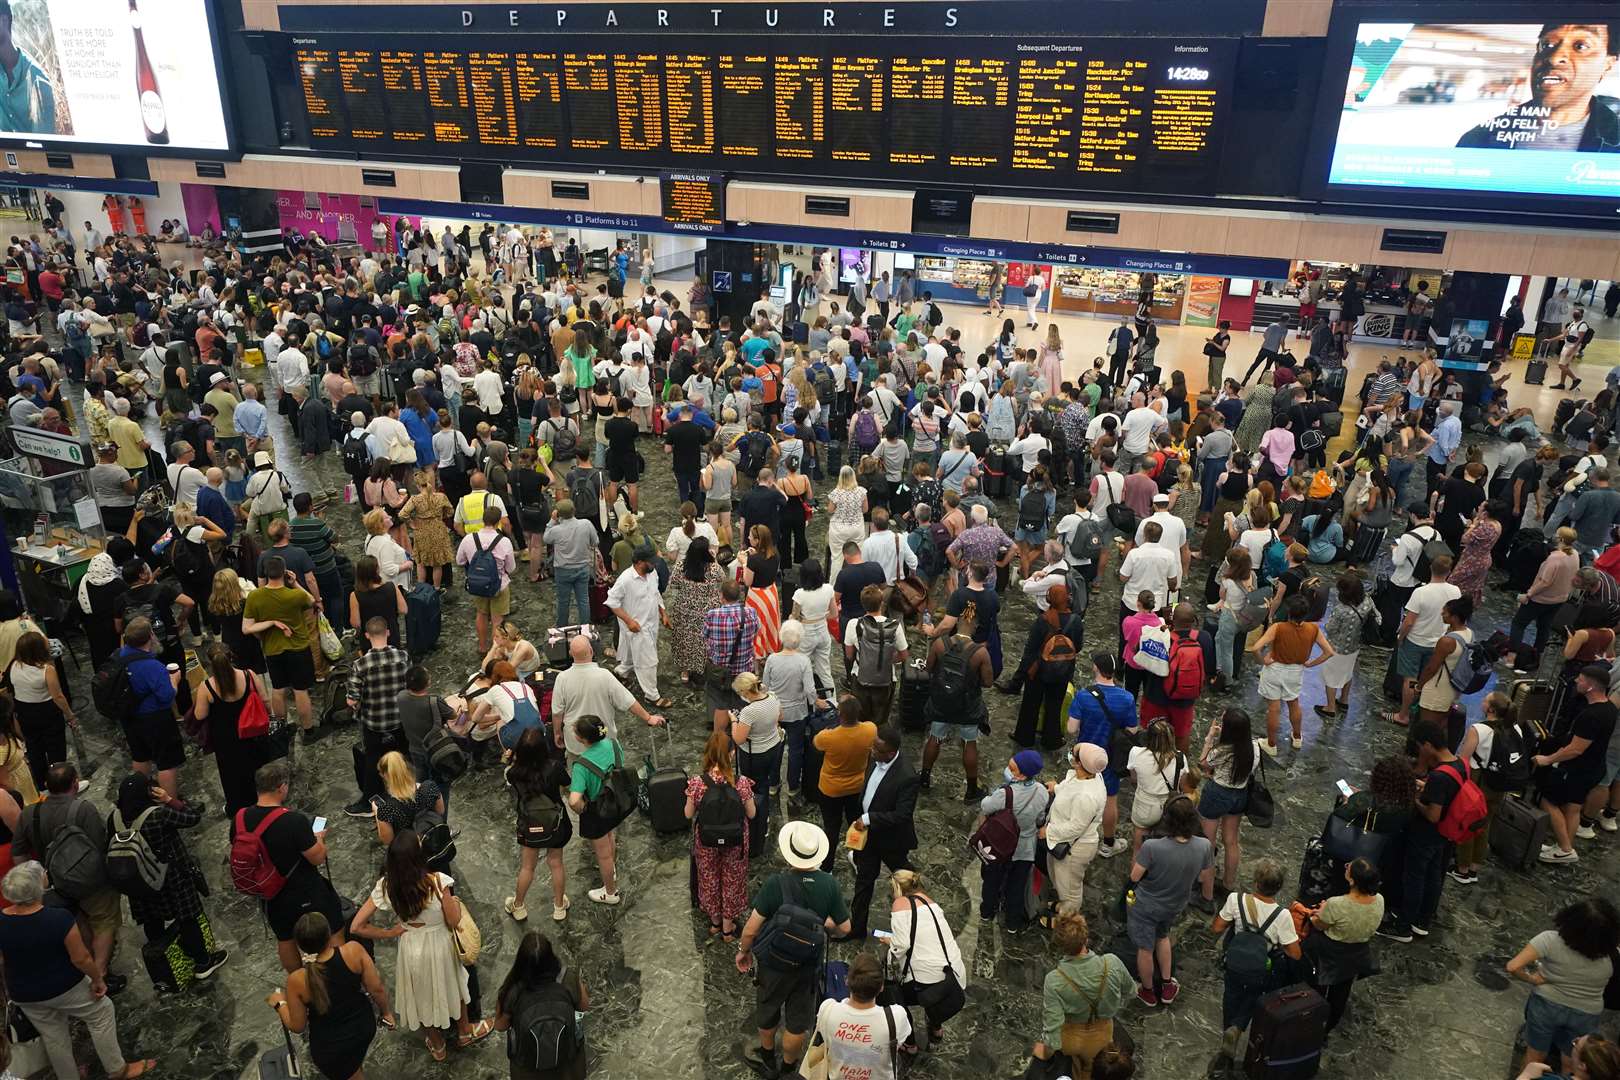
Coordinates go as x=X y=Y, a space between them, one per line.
x=817 y=891
x=280 y=605
x=586 y=782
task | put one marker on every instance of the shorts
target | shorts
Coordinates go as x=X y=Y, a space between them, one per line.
x=1281 y=682
x=1032 y=537
x=291 y=670
x=1611 y=767
x=366 y=384
x=1216 y=801
x=1147 y=810
x=623 y=470
x=1549 y=1026
x=155 y=737
x=1180 y=716
x=1410 y=660
x=719 y=693
x=785 y=996
x=1145 y=930
x=499 y=604
x=306 y=891
x=944 y=731
x=103 y=910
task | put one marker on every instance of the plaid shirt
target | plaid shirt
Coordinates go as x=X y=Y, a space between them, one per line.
x=728 y=635
x=375 y=684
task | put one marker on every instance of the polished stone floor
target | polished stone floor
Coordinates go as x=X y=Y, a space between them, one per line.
x=666 y=1003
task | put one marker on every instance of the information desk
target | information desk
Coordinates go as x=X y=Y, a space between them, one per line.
x=1140 y=114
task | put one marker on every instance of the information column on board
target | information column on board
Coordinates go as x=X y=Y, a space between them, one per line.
x=694 y=201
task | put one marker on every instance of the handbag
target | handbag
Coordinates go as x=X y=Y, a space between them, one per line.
x=1347 y=841
x=1262 y=807
x=469 y=941
x=254 y=719
x=331 y=644
x=815 y=1065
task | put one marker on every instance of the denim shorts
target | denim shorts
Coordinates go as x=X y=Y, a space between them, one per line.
x=943 y=732
x=1216 y=801
x=1549 y=1026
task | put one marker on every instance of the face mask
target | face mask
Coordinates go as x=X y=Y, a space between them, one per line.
x=1007 y=775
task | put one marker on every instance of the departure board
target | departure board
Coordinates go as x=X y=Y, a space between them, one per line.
x=1066 y=113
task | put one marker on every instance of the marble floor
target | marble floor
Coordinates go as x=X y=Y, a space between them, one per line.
x=667 y=1003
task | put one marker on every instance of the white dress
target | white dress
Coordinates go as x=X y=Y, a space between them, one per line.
x=430 y=983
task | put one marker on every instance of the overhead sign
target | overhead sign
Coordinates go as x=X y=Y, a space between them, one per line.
x=49 y=445
x=1238 y=266
x=694 y=202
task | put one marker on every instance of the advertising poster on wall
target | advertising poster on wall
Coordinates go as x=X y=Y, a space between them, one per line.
x=1508 y=108
x=117 y=72
x=1203 y=306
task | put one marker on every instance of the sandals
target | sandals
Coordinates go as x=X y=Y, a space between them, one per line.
x=661 y=703
x=479 y=1031
x=442 y=1054
x=130 y=1072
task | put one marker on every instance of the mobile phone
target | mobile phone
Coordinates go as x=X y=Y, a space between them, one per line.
x=882 y=935
x=1345 y=789
x=320 y=824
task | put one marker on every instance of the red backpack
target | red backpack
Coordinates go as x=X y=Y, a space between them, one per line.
x=252 y=870
x=1466 y=812
x=1185 y=679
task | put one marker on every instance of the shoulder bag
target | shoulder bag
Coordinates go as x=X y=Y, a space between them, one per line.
x=1262 y=807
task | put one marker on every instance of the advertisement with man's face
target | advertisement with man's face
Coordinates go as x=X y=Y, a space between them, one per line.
x=135 y=73
x=1517 y=107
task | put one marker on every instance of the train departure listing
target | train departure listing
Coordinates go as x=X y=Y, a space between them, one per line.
x=1122 y=113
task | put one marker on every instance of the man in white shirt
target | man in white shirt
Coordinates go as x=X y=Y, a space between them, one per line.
x=633 y=346
x=292 y=369
x=586 y=689
x=1087 y=568
x=934 y=353
x=1030 y=445
x=1136 y=432
x=1148 y=568
x=636 y=602
x=390 y=433
x=1173 y=531
x=888 y=549
x=1422 y=626
x=885 y=406
x=185 y=479
x=1107 y=486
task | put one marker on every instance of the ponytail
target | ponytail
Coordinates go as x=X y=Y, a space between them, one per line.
x=312 y=934
x=688 y=518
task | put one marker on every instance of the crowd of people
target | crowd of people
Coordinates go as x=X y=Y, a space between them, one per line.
x=493 y=427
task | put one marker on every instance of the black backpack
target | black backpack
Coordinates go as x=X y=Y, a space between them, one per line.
x=721 y=822
x=951 y=676
x=753 y=451
x=794 y=936
x=1032 y=511
x=356 y=457
x=1432 y=549
x=617 y=798
x=585 y=489
x=110 y=690
x=437 y=841
x=564 y=442
x=540 y=818
x=1510 y=766
x=1087 y=541
x=1248 y=950
x=545 y=1034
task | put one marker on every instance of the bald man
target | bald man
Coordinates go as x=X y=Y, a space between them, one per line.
x=588 y=689
x=212 y=504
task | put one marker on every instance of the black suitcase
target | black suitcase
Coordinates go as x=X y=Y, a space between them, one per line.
x=1535 y=373
x=1331 y=386
x=662 y=790
x=1563 y=414
x=1530 y=549
x=1517 y=831
x=559 y=638
x=1320 y=875
x=1286 y=1035
x=914 y=680
x=279 y=1062
x=995 y=474
x=1368 y=544
x=1533 y=702
x=168 y=965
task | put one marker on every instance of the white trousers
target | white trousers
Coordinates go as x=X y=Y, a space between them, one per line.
x=638 y=656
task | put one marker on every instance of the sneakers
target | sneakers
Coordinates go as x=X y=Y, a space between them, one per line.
x=1558 y=856
x=518 y=911
x=1168 y=991
x=215 y=962
x=558 y=914
x=1109 y=848
x=1147 y=997
x=1270 y=748
x=1609 y=821
x=1420 y=931
x=602 y=896
x=974 y=794
x=925 y=780
x=764 y=1062
x=1396 y=933
x=1299 y=743
x=361 y=807
x=1462 y=877
x=1586 y=831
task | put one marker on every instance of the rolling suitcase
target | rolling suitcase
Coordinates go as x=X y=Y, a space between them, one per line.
x=559 y=638
x=914 y=681
x=1368 y=545
x=1533 y=701
x=1535 y=373
x=661 y=792
x=599 y=608
x=423 y=612
x=1286 y=1035
x=279 y=1062
x=995 y=474
x=1517 y=831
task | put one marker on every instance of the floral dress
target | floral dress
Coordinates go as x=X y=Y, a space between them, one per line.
x=424 y=514
x=722 y=874
x=688 y=600
x=1475 y=560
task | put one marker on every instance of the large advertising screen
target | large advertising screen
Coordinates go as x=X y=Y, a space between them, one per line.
x=137 y=73
x=1137 y=114
x=1493 y=108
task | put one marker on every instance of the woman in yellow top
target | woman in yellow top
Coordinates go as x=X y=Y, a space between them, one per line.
x=845 y=750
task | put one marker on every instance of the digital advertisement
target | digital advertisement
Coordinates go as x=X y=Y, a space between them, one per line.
x=135 y=73
x=1522 y=108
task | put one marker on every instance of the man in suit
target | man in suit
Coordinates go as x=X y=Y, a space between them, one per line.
x=888 y=802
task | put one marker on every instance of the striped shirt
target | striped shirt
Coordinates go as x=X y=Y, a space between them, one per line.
x=315 y=536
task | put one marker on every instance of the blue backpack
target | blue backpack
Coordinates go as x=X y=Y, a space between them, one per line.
x=483 y=572
x=1273 y=559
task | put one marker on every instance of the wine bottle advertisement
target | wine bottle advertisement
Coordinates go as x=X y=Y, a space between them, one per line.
x=137 y=73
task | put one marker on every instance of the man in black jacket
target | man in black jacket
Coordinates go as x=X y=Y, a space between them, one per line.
x=888 y=802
